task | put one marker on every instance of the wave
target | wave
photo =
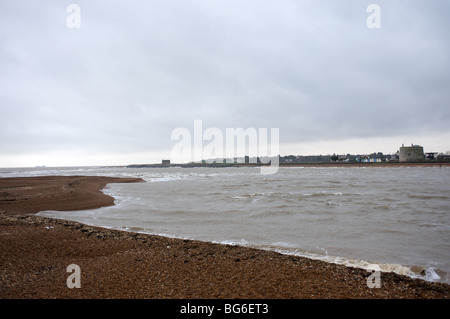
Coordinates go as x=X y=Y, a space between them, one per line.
x=430 y=274
x=428 y=197
x=325 y=194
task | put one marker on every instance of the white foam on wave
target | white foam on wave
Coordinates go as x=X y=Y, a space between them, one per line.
x=285 y=248
x=430 y=275
x=427 y=274
x=240 y=242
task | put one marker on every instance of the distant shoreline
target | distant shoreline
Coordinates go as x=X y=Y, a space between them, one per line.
x=370 y=164
x=306 y=164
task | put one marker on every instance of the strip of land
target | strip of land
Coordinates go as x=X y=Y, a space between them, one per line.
x=25 y=195
x=36 y=251
x=301 y=164
x=369 y=164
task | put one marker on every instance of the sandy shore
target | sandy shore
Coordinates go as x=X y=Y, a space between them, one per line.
x=19 y=195
x=36 y=251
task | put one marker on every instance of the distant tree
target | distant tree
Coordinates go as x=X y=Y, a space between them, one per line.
x=334 y=158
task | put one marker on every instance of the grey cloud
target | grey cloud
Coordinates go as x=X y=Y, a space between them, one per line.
x=135 y=71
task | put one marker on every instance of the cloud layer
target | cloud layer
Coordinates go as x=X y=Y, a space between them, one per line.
x=136 y=70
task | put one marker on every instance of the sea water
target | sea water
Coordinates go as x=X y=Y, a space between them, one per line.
x=396 y=217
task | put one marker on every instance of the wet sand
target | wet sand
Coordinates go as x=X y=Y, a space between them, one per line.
x=24 y=195
x=36 y=251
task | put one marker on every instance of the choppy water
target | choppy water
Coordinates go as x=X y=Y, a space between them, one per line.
x=398 y=217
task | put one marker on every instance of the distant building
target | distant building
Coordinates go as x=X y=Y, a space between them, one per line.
x=165 y=162
x=431 y=156
x=413 y=153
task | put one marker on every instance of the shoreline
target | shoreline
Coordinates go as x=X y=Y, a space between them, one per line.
x=29 y=195
x=361 y=165
x=117 y=264
x=297 y=164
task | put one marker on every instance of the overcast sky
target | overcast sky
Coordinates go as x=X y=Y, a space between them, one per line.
x=112 y=91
